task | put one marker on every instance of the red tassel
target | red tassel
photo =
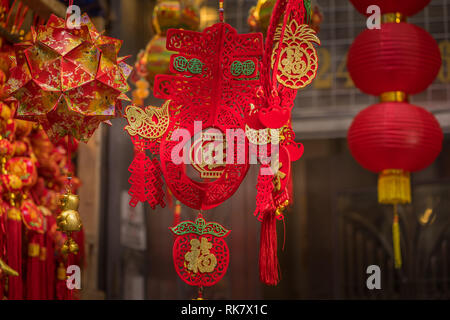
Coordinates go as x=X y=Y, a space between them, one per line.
x=2 y=246
x=268 y=257
x=14 y=252
x=33 y=277
x=61 y=284
x=265 y=210
x=49 y=262
x=264 y=198
x=69 y=292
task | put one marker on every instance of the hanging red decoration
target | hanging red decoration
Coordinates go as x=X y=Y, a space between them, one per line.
x=397 y=57
x=68 y=79
x=200 y=254
x=228 y=91
x=217 y=82
x=395 y=135
x=394 y=138
x=406 y=7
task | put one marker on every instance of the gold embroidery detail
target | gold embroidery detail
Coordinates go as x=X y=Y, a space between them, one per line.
x=208 y=154
x=297 y=61
x=199 y=258
x=150 y=123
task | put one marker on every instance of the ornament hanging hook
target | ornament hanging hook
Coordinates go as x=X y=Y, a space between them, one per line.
x=221 y=10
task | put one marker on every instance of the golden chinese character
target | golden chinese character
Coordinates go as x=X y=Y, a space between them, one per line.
x=199 y=258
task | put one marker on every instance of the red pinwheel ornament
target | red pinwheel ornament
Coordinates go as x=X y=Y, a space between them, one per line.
x=68 y=79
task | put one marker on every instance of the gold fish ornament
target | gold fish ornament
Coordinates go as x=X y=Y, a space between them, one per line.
x=149 y=123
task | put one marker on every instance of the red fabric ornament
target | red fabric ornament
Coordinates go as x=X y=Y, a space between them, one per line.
x=146 y=182
x=407 y=7
x=216 y=83
x=68 y=79
x=49 y=268
x=290 y=63
x=34 y=223
x=34 y=279
x=395 y=135
x=397 y=57
x=200 y=254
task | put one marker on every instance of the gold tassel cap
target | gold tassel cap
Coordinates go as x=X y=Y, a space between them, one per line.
x=394 y=96
x=393 y=17
x=394 y=187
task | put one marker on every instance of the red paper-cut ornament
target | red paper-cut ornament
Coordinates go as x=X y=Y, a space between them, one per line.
x=200 y=254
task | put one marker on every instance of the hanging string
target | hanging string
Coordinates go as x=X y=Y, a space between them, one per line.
x=200 y=293
x=221 y=10
x=396 y=240
x=69 y=163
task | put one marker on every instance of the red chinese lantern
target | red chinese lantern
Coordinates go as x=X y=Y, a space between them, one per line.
x=397 y=57
x=406 y=7
x=393 y=139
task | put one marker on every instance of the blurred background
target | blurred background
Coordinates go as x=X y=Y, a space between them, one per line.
x=335 y=228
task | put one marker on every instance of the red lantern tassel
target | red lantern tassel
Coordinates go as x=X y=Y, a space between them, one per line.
x=14 y=252
x=33 y=291
x=268 y=257
x=43 y=270
x=70 y=293
x=264 y=198
x=265 y=211
x=50 y=267
x=2 y=247
x=49 y=263
x=61 y=284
